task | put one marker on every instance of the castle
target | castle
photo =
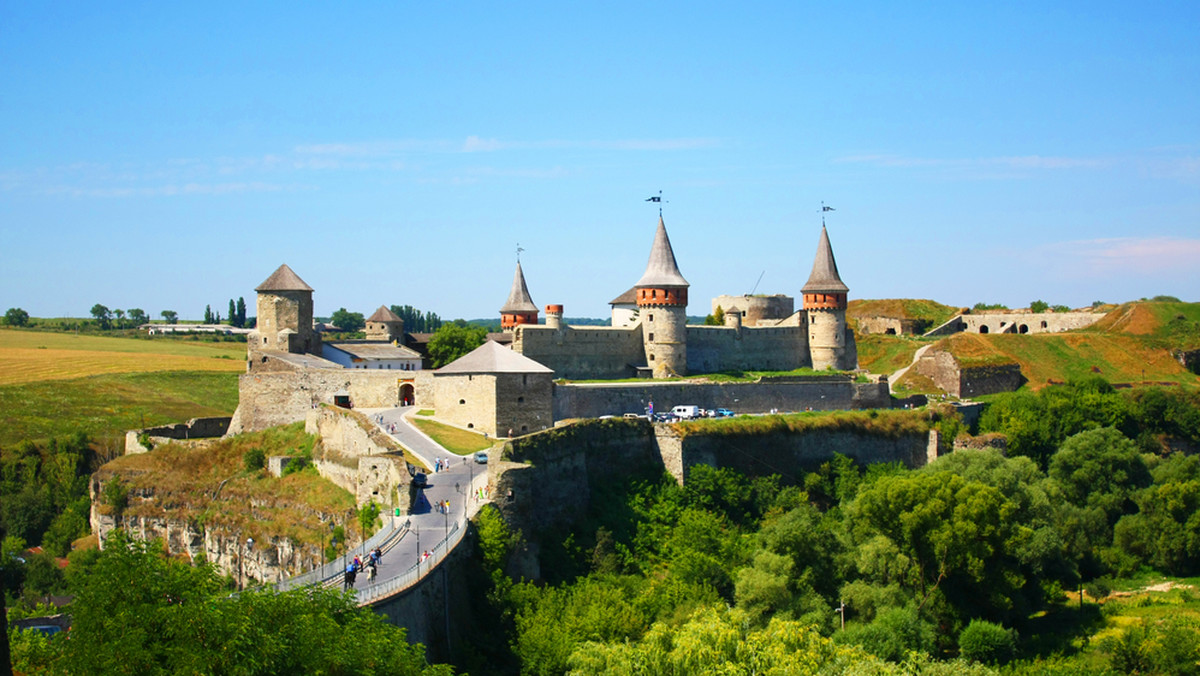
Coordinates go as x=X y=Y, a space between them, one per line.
x=290 y=370
x=654 y=339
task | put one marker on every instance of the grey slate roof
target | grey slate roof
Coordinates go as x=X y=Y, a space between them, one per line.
x=518 y=297
x=824 y=277
x=374 y=350
x=383 y=314
x=283 y=279
x=627 y=298
x=492 y=357
x=661 y=270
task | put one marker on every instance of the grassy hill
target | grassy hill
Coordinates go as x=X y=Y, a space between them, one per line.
x=183 y=481
x=52 y=384
x=902 y=308
x=1131 y=344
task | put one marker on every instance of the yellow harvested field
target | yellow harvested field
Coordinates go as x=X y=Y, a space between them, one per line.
x=29 y=356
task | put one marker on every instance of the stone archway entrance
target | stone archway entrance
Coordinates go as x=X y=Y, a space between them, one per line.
x=408 y=395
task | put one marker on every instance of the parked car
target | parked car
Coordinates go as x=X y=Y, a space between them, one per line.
x=686 y=412
x=481 y=457
x=724 y=413
x=420 y=480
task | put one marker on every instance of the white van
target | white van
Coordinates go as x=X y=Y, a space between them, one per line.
x=686 y=412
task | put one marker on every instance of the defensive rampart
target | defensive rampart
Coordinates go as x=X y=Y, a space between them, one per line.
x=711 y=349
x=1017 y=322
x=196 y=428
x=270 y=399
x=359 y=457
x=583 y=352
x=971 y=380
x=819 y=393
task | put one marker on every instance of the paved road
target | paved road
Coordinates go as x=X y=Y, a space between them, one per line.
x=892 y=379
x=428 y=525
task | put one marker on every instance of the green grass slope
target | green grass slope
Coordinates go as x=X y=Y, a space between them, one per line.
x=105 y=406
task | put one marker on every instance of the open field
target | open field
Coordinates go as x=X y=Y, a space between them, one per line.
x=104 y=406
x=35 y=356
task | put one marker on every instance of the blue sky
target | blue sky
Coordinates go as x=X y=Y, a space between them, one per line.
x=172 y=155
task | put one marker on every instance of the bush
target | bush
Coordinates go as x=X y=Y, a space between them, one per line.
x=116 y=496
x=1099 y=588
x=145 y=441
x=254 y=459
x=1039 y=306
x=983 y=641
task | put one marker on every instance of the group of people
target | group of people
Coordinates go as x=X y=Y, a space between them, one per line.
x=371 y=565
x=443 y=464
x=443 y=506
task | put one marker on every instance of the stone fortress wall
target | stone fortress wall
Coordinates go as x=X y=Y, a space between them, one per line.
x=819 y=393
x=196 y=428
x=712 y=349
x=279 y=398
x=356 y=455
x=1017 y=322
x=577 y=352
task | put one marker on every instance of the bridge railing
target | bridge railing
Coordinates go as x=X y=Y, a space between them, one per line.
x=423 y=567
x=385 y=539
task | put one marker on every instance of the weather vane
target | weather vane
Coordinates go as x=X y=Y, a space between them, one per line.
x=823 y=210
x=657 y=198
x=519 y=250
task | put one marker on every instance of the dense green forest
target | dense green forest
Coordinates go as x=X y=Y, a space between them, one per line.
x=964 y=563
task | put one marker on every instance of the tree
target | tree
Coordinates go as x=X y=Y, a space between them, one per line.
x=140 y=612
x=984 y=641
x=120 y=315
x=348 y=321
x=452 y=341
x=717 y=318
x=232 y=316
x=170 y=316
x=241 y=312
x=208 y=315
x=1100 y=468
x=137 y=315
x=1039 y=306
x=16 y=317
x=102 y=314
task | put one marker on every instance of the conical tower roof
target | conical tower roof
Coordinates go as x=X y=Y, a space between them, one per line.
x=661 y=270
x=824 y=277
x=383 y=314
x=518 y=297
x=283 y=279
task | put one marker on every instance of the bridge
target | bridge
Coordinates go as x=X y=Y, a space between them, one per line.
x=412 y=545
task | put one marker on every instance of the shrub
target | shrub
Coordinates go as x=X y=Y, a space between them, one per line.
x=254 y=459
x=1099 y=588
x=145 y=440
x=116 y=496
x=983 y=641
x=1039 y=306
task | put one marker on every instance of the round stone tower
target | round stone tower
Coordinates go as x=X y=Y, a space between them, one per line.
x=285 y=315
x=662 y=305
x=519 y=309
x=825 y=304
x=385 y=325
x=554 y=316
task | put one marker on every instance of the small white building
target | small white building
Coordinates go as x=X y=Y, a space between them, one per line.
x=371 y=354
x=625 y=309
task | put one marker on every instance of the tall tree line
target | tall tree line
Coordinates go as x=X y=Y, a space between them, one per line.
x=416 y=321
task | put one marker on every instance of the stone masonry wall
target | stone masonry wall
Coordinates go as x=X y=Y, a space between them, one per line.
x=755 y=309
x=1017 y=322
x=196 y=428
x=524 y=402
x=357 y=456
x=270 y=399
x=467 y=400
x=718 y=348
x=974 y=381
x=823 y=393
x=583 y=352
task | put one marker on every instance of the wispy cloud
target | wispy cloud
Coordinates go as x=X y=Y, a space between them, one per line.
x=1010 y=162
x=167 y=190
x=1142 y=256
